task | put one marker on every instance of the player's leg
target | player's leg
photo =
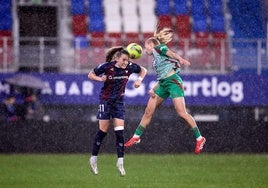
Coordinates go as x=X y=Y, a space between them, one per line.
x=179 y=105
x=101 y=133
x=104 y=121
x=152 y=105
x=118 y=115
x=119 y=136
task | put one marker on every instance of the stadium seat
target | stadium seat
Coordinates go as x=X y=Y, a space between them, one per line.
x=78 y=7
x=131 y=37
x=162 y=7
x=217 y=24
x=96 y=25
x=201 y=39
x=5 y=16
x=165 y=21
x=217 y=37
x=6 y=54
x=199 y=23
x=130 y=17
x=215 y=7
x=113 y=22
x=146 y=35
x=180 y=7
x=79 y=25
x=9 y=39
x=114 y=39
x=183 y=26
x=97 y=39
x=198 y=7
x=80 y=42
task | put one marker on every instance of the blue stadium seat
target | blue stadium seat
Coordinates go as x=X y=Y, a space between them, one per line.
x=243 y=25
x=78 y=7
x=96 y=16
x=215 y=7
x=217 y=24
x=199 y=23
x=6 y=3
x=80 y=42
x=5 y=15
x=180 y=7
x=198 y=7
x=96 y=26
x=162 y=7
x=5 y=21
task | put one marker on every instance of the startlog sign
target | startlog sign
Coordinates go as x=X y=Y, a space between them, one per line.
x=207 y=90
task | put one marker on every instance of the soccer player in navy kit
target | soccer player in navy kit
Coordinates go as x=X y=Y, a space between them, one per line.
x=115 y=74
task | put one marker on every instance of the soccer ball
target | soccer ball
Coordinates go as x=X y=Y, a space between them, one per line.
x=134 y=50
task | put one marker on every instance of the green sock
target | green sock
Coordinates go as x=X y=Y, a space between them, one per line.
x=196 y=132
x=139 y=130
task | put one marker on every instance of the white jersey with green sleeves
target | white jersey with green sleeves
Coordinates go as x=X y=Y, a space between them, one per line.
x=162 y=63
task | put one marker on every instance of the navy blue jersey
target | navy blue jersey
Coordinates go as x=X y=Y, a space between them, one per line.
x=115 y=84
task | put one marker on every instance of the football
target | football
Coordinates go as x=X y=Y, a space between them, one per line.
x=134 y=50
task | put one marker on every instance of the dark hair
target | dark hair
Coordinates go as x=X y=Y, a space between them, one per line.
x=114 y=52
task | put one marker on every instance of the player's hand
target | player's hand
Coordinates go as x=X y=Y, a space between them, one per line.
x=152 y=93
x=103 y=78
x=185 y=62
x=137 y=83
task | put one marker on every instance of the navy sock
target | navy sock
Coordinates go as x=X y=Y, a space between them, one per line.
x=97 y=142
x=119 y=134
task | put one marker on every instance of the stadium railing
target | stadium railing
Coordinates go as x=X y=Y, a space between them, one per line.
x=42 y=54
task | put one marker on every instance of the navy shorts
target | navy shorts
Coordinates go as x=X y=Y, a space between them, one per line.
x=111 y=109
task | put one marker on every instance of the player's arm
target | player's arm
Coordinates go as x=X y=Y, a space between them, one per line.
x=176 y=56
x=142 y=74
x=151 y=91
x=93 y=76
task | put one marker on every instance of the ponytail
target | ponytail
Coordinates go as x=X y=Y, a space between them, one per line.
x=164 y=35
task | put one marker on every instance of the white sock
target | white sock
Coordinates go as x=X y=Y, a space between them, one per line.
x=93 y=158
x=120 y=160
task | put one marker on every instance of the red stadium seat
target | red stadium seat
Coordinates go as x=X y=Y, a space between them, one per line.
x=131 y=37
x=114 y=39
x=9 y=39
x=220 y=48
x=79 y=25
x=97 y=39
x=183 y=29
x=165 y=21
x=183 y=26
x=146 y=36
x=201 y=39
x=217 y=38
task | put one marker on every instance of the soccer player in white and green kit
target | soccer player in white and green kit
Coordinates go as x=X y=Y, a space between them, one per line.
x=167 y=66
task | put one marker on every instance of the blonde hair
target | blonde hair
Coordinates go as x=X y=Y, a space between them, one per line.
x=115 y=52
x=164 y=35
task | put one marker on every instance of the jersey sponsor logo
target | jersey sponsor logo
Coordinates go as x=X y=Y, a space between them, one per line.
x=117 y=77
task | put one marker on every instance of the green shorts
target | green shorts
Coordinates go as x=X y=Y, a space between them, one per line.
x=171 y=86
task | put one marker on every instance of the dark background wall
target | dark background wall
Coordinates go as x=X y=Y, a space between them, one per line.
x=166 y=134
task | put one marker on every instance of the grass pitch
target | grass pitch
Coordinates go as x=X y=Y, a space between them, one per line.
x=143 y=171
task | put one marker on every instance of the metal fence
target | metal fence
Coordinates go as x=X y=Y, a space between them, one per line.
x=67 y=55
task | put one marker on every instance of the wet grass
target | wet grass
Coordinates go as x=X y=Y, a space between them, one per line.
x=143 y=170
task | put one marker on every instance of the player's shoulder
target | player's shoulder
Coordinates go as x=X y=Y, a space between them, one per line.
x=161 y=45
x=105 y=64
x=132 y=64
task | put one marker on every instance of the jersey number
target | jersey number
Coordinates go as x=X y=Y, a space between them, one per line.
x=101 y=108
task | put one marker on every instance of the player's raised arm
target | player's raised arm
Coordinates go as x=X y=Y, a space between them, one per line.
x=93 y=76
x=142 y=74
x=174 y=55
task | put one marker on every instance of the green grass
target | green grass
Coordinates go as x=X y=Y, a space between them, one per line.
x=154 y=170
